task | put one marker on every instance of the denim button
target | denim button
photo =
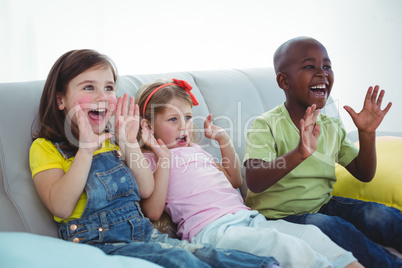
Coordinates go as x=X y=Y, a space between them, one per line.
x=100 y=229
x=76 y=240
x=73 y=227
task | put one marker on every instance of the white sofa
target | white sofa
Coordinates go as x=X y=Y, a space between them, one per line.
x=27 y=230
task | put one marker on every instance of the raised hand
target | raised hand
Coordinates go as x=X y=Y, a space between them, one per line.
x=158 y=147
x=371 y=116
x=213 y=132
x=309 y=131
x=88 y=140
x=127 y=120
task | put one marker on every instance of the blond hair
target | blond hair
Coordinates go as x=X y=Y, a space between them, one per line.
x=157 y=103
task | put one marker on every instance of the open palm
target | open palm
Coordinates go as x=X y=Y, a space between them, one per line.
x=309 y=131
x=158 y=147
x=211 y=131
x=371 y=116
x=127 y=120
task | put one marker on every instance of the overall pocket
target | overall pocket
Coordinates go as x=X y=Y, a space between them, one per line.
x=141 y=227
x=117 y=181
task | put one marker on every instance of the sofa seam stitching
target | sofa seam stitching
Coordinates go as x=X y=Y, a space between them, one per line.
x=255 y=87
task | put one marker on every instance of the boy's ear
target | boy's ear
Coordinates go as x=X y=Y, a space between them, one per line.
x=282 y=80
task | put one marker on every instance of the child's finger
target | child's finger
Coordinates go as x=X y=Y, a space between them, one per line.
x=380 y=98
x=301 y=130
x=387 y=108
x=119 y=106
x=374 y=94
x=308 y=112
x=77 y=107
x=83 y=125
x=161 y=143
x=112 y=107
x=145 y=125
x=147 y=133
x=310 y=115
x=316 y=131
x=125 y=104
x=145 y=136
x=131 y=107
x=136 y=113
x=368 y=94
x=208 y=121
x=315 y=115
x=79 y=113
x=350 y=110
x=80 y=118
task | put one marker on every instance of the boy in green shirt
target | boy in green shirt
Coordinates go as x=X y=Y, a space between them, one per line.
x=292 y=150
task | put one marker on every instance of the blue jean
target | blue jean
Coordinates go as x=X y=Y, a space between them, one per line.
x=190 y=255
x=358 y=226
x=214 y=256
x=113 y=221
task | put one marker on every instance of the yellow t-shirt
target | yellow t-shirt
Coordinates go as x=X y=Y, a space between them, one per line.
x=43 y=155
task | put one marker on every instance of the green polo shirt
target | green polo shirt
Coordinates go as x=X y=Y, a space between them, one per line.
x=307 y=187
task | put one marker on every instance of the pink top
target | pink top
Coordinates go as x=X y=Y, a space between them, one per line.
x=198 y=192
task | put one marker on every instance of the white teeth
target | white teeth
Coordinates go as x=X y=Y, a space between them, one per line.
x=99 y=110
x=322 y=86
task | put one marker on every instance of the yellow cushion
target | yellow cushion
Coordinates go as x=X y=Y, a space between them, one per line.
x=386 y=186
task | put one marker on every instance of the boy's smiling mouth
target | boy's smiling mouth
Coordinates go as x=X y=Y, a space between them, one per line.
x=319 y=90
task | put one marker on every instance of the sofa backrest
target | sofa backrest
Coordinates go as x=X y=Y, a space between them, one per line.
x=234 y=97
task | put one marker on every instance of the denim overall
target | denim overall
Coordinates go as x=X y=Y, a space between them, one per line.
x=112 y=221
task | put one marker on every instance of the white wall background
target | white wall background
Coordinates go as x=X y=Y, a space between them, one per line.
x=363 y=38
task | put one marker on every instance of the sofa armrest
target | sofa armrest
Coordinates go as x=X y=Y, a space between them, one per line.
x=386 y=186
x=354 y=135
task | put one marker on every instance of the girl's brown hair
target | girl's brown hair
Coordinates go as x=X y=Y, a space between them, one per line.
x=157 y=103
x=67 y=67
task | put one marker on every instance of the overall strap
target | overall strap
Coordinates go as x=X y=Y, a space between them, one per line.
x=66 y=154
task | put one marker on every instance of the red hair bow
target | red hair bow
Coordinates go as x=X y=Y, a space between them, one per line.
x=187 y=87
x=181 y=83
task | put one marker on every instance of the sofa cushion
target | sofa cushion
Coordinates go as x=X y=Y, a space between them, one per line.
x=386 y=186
x=21 y=250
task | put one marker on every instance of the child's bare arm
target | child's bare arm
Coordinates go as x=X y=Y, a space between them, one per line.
x=363 y=167
x=261 y=175
x=230 y=159
x=154 y=205
x=61 y=191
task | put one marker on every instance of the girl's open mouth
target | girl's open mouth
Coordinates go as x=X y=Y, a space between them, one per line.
x=97 y=115
x=182 y=140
